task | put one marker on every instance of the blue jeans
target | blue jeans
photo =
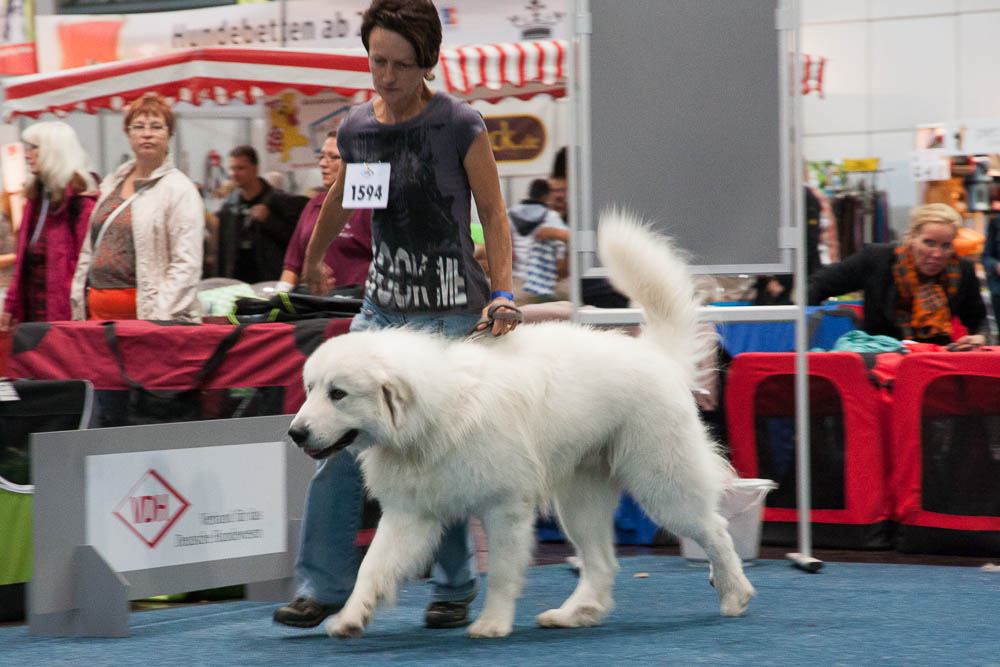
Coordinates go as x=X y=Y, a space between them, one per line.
x=328 y=559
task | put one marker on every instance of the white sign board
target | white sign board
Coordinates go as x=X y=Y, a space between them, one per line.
x=170 y=507
x=930 y=165
x=981 y=137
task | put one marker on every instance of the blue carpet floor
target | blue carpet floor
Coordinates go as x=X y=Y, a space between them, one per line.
x=848 y=614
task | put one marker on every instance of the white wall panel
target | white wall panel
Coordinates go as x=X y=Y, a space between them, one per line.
x=892 y=145
x=822 y=11
x=200 y=135
x=835 y=147
x=923 y=61
x=912 y=71
x=879 y=9
x=894 y=148
x=843 y=107
x=977 y=5
x=978 y=74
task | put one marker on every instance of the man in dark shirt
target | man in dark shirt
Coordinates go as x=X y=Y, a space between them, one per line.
x=256 y=222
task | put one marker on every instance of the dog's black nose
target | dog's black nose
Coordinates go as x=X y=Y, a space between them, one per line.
x=298 y=434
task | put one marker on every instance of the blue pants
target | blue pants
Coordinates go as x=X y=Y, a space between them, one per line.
x=328 y=559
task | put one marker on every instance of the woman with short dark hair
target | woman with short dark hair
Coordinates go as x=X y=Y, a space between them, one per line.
x=424 y=274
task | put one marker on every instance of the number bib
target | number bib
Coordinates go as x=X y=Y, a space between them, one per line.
x=366 y=185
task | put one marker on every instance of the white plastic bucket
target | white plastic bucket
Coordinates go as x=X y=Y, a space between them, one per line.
x=743 y=505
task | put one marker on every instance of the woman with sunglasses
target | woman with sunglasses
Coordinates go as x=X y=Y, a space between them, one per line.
x=60 y=197
x=143 y=255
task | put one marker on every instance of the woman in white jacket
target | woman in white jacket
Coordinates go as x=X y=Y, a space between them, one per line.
x=142 y=258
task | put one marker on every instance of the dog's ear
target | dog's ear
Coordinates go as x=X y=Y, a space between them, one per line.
x=396 y=396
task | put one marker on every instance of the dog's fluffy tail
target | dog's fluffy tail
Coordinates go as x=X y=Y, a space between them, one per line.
x=652 y=272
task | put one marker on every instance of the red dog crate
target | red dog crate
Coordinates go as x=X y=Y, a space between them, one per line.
x=946 y=452
x=850 y=504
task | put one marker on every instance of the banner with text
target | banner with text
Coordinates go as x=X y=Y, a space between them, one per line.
x=170 y=507
x=66 y=41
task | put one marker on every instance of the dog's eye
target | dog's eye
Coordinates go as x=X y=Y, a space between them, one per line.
x=336 y=394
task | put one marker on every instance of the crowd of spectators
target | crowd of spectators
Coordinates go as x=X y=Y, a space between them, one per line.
x=140 y=243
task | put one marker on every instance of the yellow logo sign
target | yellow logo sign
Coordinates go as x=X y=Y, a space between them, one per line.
x=516 y=138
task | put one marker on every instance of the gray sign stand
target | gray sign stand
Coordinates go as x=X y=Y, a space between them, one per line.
x=688 y=113
x=74 y=592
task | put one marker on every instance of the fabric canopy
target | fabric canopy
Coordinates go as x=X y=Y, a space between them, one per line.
x=485 y=71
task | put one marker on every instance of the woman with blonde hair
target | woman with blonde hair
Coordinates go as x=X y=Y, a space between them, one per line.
x=60 y=197
x=143 y=256
x=914 y=290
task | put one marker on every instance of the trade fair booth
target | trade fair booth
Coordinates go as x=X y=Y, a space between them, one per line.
x=284 y=101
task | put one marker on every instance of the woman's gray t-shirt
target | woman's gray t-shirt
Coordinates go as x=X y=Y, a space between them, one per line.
x=422 y=246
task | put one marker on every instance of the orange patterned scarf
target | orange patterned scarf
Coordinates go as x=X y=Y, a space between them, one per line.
x=922 y=310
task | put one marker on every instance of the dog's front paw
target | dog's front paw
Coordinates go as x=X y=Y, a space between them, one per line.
x=582 y=616
x=344 y=628
x=489 y=627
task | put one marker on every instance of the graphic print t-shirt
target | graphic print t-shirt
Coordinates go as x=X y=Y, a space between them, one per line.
x=423 y=250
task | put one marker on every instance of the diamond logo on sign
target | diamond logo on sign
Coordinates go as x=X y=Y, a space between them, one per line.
x=150 y=508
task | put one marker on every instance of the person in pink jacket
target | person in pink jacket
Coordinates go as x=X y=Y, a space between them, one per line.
x=349 y=255
x=60 y=197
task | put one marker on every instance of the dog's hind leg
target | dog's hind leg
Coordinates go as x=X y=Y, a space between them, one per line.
x=585 y=503
x=712 y=535
x=510 y=532
x=402 y=546
x=678 y=486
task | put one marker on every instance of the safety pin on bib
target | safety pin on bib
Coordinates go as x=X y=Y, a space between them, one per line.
x=368 y=170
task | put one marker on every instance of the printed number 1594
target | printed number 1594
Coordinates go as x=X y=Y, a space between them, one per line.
x=366 y=192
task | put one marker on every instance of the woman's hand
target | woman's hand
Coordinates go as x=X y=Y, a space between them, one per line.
x=502 y=325
x=318 y=278
x=7 y=322
x=971 y=340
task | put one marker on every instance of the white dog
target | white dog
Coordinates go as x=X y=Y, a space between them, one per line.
x=551 y=414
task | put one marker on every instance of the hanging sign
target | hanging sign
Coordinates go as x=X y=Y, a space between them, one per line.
x=980 y=137
x=930 y=165
x=860 y=164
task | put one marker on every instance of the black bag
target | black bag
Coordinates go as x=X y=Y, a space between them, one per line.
x=341 y=302
x=161 y=406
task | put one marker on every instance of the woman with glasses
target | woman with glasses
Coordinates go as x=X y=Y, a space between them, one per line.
x=143 y=255
x=346 y=260
x=60 y=197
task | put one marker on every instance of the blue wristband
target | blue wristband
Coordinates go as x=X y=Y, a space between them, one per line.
x=502 y=293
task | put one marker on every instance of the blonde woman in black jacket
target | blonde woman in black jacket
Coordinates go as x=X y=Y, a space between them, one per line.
x=914 y=290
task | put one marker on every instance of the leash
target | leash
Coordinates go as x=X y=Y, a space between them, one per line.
x=484 y=327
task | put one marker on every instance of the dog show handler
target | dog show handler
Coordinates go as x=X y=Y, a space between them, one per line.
x=416 y=158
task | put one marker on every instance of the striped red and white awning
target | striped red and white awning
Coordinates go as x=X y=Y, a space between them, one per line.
x=221 y=75
x=493 y=71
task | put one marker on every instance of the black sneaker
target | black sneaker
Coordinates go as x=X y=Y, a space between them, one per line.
x=304 y=613
x=448 y=613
